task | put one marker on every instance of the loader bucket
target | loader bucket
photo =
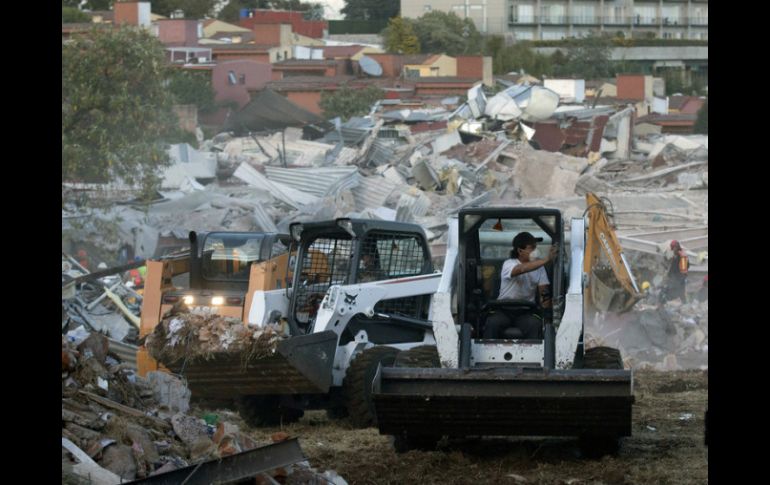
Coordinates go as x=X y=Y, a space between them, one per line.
x=503 y=401
x=300 y=365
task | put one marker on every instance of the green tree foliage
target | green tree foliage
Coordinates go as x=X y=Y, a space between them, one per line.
x=89 y=5
x=521 y=57
x=400 y=38
x=588 y=58
x=71 y=15
x=702 y=122
x=193 y=9
x=370 y=9
x=116 y=111
x=347 y=102
x=231 y=11
x=192 y=87
x=441 y=32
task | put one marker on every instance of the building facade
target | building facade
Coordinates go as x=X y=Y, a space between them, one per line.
x=559 y=19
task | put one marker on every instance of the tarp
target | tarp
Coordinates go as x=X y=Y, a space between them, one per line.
x=269 y=111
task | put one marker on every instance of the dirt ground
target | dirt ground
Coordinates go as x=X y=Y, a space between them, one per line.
x=666 y=447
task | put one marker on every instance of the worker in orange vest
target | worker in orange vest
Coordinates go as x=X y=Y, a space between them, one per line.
x=137 y=274
x=677 y=274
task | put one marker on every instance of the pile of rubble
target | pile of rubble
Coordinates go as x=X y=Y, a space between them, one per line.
x=185 y=335
x=673 y=336
x=117 y=426
x=521 y=147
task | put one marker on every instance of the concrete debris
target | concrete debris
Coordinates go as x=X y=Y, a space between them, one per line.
x=186 y=335
x=140 y=427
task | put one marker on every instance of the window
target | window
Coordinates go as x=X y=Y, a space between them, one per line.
x=228 y=256
x=231 y=79
x=242 y=79
x=671 y=15
x=552 y=14
x=554 y=34
x=325 y=262
x=583 y=14
x=524 y=35
x=522 y=13
x=644 y=14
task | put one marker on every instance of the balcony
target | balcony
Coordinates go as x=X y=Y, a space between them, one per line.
x=699 y=21
x=616 y=20
x=639 y=20
x=554 y=20
x=585 y=20
x=522 y=20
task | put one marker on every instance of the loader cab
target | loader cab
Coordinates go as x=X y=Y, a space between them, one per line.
x=353 y=251
x=485 y=237
x=220 y=269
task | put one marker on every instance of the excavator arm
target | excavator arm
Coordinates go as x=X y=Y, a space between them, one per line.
x=611 y=285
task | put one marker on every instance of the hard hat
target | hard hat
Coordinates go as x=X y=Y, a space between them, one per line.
x=674 y=244
x=646 y=285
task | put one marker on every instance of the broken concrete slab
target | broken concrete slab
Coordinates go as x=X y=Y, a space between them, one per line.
x=446 y=141
x=425 y=175
x=169 y=391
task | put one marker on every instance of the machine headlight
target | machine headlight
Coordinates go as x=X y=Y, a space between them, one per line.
x=188 y=300
x=218 y=300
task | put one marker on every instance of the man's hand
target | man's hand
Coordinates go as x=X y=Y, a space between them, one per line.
x=553 y=252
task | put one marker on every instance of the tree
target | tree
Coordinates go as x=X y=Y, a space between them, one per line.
x=232 y=11
x=521 y=57
x=370 y=9
x=116 y=110
x=89 y=4
x=192 y=87
x=399 y=37
x=702 y=122
x=589 y=57
x=193 y=9
x=441 y=32
x=71 y=15
x=347 y=102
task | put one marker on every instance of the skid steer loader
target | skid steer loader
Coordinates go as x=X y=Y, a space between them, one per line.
x=218 y=272
x=359 y=294
x=469 y=386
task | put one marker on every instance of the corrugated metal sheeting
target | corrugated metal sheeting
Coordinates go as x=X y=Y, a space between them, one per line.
x=316 y=181
x=373 y=192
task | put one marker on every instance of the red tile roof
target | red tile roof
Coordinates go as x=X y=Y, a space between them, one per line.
x=343 y=51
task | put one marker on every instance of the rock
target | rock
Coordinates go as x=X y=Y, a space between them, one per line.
x=189 y=429
x=119 y=459
x=169 y=391
x=140 y=436
x=517 y=478
x=95 y=345
x=202 y=449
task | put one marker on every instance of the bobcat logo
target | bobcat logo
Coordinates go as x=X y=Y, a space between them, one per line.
x=350 y=299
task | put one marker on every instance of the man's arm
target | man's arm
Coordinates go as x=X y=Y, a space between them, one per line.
x=522 y=268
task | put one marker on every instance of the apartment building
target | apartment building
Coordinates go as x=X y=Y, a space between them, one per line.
x=559 y=19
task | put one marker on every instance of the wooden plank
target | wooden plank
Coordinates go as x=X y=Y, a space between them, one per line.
x=125 y=409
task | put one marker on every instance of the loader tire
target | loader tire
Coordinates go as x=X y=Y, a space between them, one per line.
x=423 y=356
x=258 y=411
x=593 y=446
x=357 y=385
x=602 y=358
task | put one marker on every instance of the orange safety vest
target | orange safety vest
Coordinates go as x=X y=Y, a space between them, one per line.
x=684 y=264
x=136 y=276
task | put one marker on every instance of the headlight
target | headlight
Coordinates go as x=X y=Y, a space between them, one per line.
x=188 y=300
x=218 y=300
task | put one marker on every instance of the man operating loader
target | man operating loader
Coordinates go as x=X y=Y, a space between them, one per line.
x=520 y=278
